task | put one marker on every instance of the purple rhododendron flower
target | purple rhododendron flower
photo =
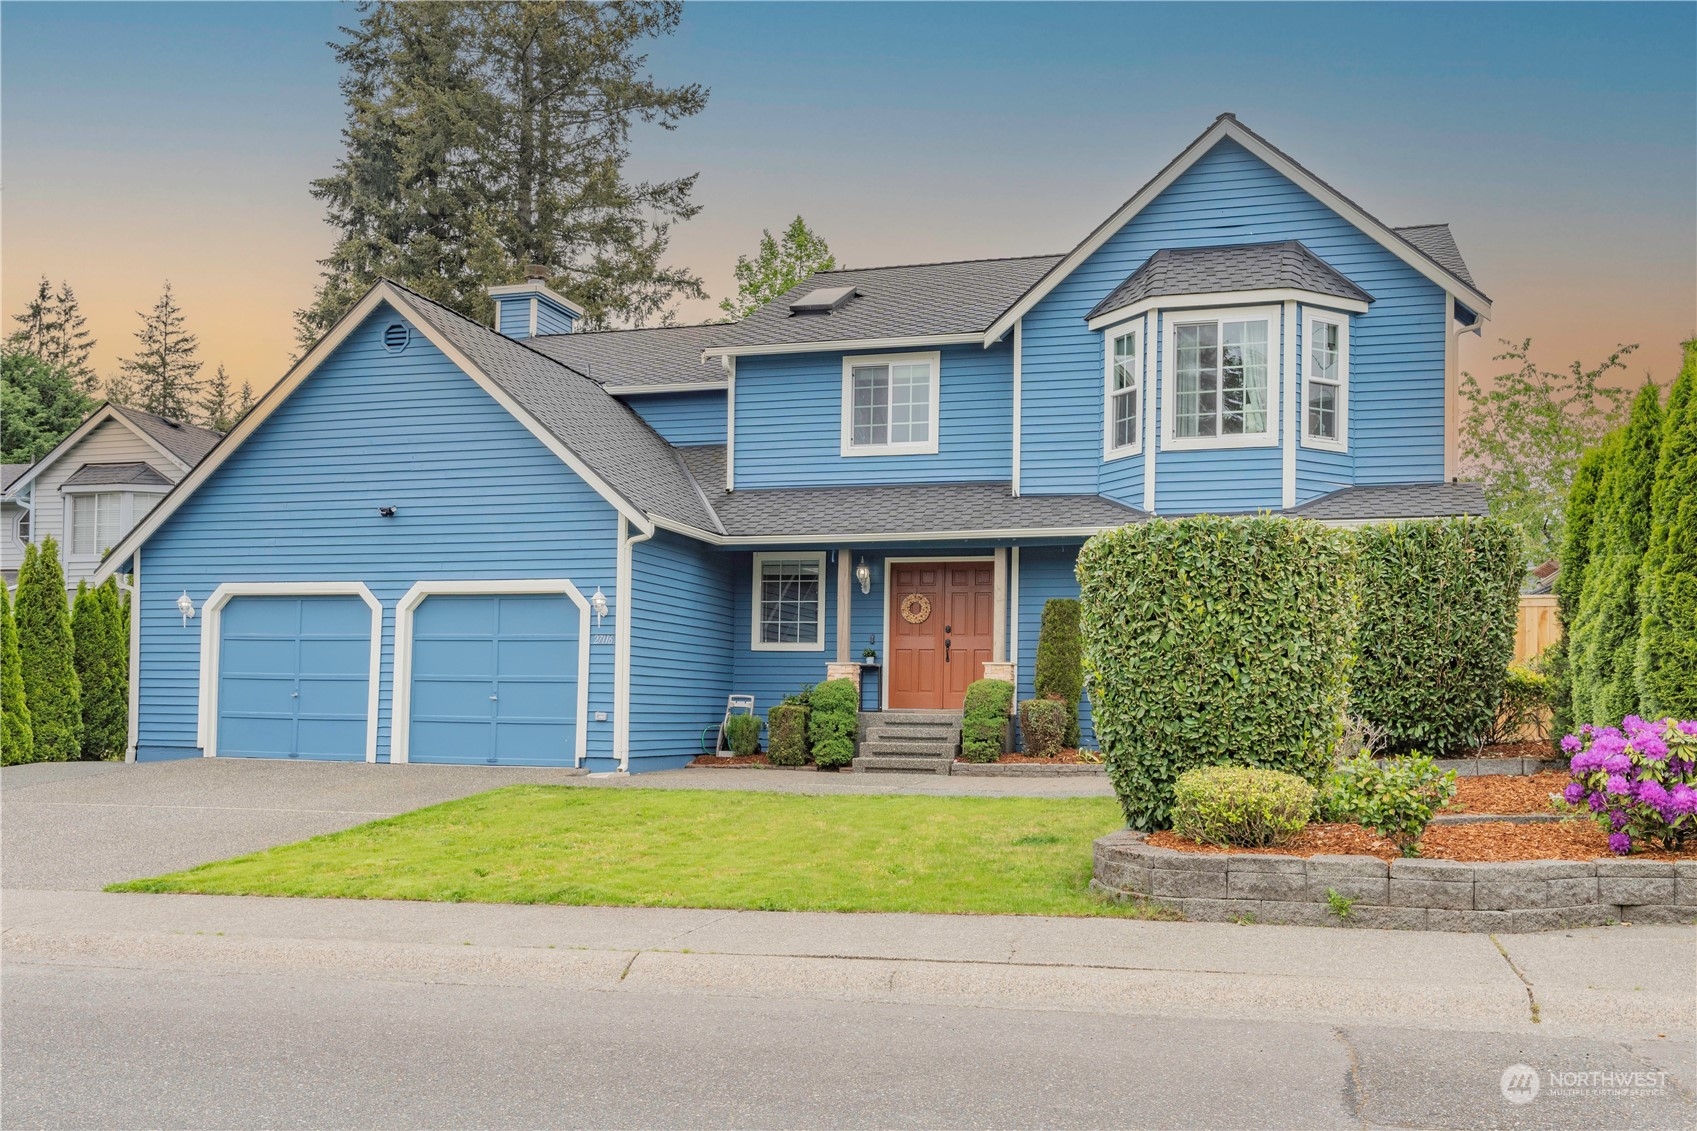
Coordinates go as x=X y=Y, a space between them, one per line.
x=1617 y=763
x=1683 y=799
x=1688 y=727
x=1571 y=744
x=1586 y=761
x=1596 y=802
x=1620 y=844
x=1650 y=746
x=1617 y=783
x=1617 y=820
x=1608 y=743
x=1652 y=793
x=1574 y=791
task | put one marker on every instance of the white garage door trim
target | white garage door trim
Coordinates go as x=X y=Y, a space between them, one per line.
x=401 y=711
x=211 y=636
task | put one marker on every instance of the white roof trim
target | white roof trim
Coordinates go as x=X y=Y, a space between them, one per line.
x=535 y=287
x=100 y=415
x=1224 y=298
x=1226 y=127
x=681 y=387
x=904 y=536
x=383 y=292
x=846 y=344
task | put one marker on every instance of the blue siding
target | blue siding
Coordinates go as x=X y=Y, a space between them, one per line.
x=684 y=419
x=1045 y=572
x=512 y=316
x=1229 y=196
x=478 y=497
x=682 y=631
x=789 y=423
x=769 y=676
x=551 y=319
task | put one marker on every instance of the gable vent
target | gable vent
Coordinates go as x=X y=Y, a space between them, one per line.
x=823 y=300
x=396 y=337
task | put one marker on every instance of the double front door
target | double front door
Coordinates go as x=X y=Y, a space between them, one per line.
x=942 y=624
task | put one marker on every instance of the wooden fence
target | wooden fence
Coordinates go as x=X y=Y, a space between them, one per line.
x=1538 y=627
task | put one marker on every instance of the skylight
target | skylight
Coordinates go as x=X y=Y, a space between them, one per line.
x=823 y=300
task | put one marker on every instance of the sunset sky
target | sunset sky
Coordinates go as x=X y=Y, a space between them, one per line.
x=145 y=142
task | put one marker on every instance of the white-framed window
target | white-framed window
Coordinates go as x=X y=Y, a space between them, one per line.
x=789 y=602
x=1325 y=380
x=890 y=404
x=23 y=527
x=1222 y=379
x=96 y=522
x=1123 y=392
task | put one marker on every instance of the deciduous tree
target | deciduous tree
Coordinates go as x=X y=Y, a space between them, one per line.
x=779 y=265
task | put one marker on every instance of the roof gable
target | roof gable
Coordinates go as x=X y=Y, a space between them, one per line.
x=1286 y=264
x=178 y=444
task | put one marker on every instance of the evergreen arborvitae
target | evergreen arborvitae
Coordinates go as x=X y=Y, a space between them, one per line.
x=45 y=651
x=101 y=659
x=164 y=376
x=1060 y=660
x=1575 y=552
x=17 y=740
x=1667 y=594
x=1604 y=658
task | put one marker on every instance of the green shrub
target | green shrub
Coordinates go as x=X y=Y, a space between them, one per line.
x=786 y=734
x=1523 y=714
x=742 y=734
x=832 y=722
x=1060 y=661
x=1213 y=640
x=1043 y=724
x=101 y=655
x=1574 y=555
x=17 y=741
x=984 y=719
x=45 y=650
x=1438 y=610
x=1667 y=644
x=1241 y=806
x=1395 y=797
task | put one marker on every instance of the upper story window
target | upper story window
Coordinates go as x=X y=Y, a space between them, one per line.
x=1325 y=381
x=789 y=602
x=1222 y=379
x=1124 y=389
x=890 y=404
x=95 y=522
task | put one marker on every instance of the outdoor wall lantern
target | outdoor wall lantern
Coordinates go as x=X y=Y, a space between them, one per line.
x=185 y=605
x=386 y=512
x=598 y=602
x=863 y=575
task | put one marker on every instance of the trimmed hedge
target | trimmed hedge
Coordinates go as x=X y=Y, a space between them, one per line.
x=1667 y=643
x=984 y=719
x=833 y=721
x=1043 y=723
x=17 y=741
x=1060 y=661
x=1214 y=640
x=1241 y=806
x=786 y=734
x=1439 y=600
x=44 y=644
x=102 y=660
x=742 y=734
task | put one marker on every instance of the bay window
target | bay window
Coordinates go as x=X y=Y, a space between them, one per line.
x=1222 y=379
x=95 y=523
x=1325 y=381
x=1122 y=434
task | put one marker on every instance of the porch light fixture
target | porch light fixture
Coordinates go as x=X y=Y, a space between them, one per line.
x=385 y=512
x=185 y=605
x=863 y=575
x=598 y=602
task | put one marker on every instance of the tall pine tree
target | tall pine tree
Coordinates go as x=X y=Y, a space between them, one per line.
x=46 y=655
x=1604 y=652
x=164 y=375
x=53 y=328
x=17 y=739
x=482 y=137
x=218 y=408
x=101 y=654
x=1667 y=595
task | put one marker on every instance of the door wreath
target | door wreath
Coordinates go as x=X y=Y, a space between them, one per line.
x=916 y=608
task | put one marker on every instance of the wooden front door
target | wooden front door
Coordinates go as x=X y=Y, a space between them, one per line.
x=942 y=621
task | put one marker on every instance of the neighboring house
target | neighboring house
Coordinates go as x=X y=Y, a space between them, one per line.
x=92 y=489
x=437 y=542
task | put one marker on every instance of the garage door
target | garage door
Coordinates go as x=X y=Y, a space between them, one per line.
x=494 y=680
x=293 y=678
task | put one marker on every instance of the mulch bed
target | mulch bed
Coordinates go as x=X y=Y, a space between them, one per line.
x=1066 y=757
x=1498 y=793
x=1519 y=750
x=1486 y=842
x=733 y=760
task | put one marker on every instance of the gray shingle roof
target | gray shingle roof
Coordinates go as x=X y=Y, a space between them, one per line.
x=188 y=442
x=10 y=471
x=1436 y=243
x=921 y=300
x=1398 y=500
x=613 y=440
x=928 y=508
x=116 y=474
x=1230 y=267
x=620 y=359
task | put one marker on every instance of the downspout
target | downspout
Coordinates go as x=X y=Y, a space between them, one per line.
x=621 y=644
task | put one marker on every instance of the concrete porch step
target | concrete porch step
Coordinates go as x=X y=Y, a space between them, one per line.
x=939 y=733
x=901 y=764
x=927 y=748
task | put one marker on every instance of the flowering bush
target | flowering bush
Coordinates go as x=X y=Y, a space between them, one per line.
x=1638 y=780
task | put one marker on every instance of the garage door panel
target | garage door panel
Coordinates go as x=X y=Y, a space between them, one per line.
x=333 y=697
x=552 y=700
x=253 y=737
x=552 y=659
x=431 y=658
x=537 y=615
x=268 y=616
x=242 y=656
x=246 y=695
x=444 y=698
x=457 y=742
x=336 y=657
x=346 y=616
x=294 y=677
x=535 y=743
x=455 y=616
x=331 y=739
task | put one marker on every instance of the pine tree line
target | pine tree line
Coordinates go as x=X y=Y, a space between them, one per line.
x=1627 y=590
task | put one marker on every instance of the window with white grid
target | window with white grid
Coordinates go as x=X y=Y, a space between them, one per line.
x=1325 y=382
x=890 y=405
x=1124 y=388
x=95 y=523
x=789 y=602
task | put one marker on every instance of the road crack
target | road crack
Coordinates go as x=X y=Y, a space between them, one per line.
x=1531 y=998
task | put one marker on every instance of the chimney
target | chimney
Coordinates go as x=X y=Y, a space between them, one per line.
x=529 y=309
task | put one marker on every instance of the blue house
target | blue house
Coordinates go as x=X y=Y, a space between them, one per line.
x=437 y=541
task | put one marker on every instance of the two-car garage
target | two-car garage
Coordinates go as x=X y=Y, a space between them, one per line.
x=484 y=673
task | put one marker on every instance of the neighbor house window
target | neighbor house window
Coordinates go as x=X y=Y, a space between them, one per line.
x=890 y=404
x=1223 y=380
x=23 y=528
x=789 y=602
x=95 y=522
x=1325 y=382
x=1125 y=367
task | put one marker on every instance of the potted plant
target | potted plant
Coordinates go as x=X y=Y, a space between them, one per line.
x=869 y=655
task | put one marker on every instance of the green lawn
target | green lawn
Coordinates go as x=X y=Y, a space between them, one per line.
x=706 y=848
